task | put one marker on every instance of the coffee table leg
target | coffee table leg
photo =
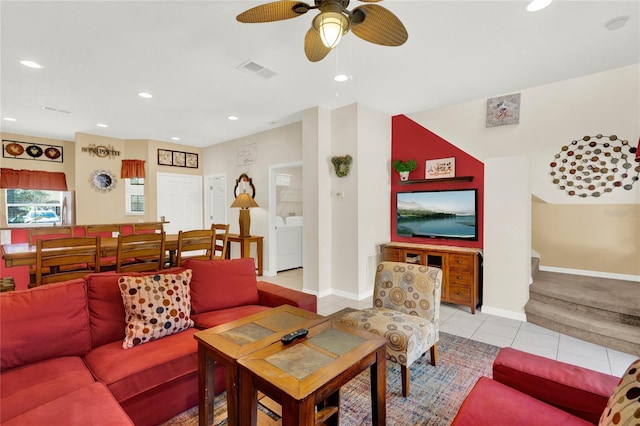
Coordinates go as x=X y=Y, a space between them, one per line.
x=379 y=388
x=248 y=401
x=205 y=387
x=298 y=413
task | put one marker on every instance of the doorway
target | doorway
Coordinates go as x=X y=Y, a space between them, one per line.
x=179 y=201
x=215 y=199
x=285 y=184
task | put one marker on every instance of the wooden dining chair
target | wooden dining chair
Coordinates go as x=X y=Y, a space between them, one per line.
x=45 y=233
x=140 y=252
x=62 y=259
x=220 y=239
x=49 y=232
x=145 y=228
x=199 y=242
x=104 y=231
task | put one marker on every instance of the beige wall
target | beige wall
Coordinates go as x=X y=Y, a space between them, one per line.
x=93 y=206
x=602 y=237
x=67 y=165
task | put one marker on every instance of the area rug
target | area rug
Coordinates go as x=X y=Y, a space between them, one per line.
x=436 y=393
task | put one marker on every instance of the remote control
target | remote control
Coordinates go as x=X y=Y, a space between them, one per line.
x=288 y=338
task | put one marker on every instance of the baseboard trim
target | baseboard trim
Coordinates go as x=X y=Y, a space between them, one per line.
x=499 y=312
x=598 y=274
x=353 y=296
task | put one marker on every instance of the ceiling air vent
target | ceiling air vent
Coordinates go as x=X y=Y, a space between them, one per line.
x=46 y=108
x=257 y=69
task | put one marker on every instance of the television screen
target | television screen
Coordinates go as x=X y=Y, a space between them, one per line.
x=449 y=214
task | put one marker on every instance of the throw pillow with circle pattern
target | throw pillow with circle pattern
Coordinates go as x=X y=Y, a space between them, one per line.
x=155 y=306
x=623 y=407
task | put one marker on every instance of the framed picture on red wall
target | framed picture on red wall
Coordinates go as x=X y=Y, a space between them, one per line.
x=440 y=168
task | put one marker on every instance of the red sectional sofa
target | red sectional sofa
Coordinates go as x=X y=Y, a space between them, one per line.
x=63 y=362
x=531 y=390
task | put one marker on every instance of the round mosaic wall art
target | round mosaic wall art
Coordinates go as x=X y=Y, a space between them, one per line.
x=595 y=165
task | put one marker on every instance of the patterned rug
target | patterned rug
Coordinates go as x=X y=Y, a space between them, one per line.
x=435 y=394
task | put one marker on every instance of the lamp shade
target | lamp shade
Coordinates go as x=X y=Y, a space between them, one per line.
x=244 y=201
x=331 y=26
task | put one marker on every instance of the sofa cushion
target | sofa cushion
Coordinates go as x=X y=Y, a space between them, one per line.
x=29 y=386
x=143 y=368
x=576 y=390
x=106 y=310
x=155 y=306
x=89 y=405
x=213 y=318
x=45 y=322
x=624 y=404
x=220 y=284
x=491 y=403
x=275 y=295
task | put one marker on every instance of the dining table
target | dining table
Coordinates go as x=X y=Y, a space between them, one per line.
x=24 y=254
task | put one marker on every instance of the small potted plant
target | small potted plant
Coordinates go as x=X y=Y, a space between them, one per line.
x=404 y=167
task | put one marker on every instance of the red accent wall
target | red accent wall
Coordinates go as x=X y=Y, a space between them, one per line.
x=411 y=140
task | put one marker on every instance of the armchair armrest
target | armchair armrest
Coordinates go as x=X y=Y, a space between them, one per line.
x=274 y=295
x=579 y=391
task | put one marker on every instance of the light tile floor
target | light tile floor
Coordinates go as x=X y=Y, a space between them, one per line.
x=493 y=330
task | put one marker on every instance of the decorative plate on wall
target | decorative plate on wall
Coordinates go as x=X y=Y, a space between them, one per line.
x=102 y=180
x=594 y=166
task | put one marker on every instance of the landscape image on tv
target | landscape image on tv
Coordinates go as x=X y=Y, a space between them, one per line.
x=437 y=214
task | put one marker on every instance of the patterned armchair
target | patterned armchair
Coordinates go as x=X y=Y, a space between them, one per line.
x=406 y=310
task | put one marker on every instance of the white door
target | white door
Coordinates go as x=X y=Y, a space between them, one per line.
x=180 y=201
x=215 y=199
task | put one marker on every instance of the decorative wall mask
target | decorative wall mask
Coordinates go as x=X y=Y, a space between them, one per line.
x=341 y=164
x=595 y=165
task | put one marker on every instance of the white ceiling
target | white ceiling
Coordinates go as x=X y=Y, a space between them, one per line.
x=97 y=55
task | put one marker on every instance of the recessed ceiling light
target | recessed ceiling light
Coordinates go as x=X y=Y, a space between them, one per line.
x=616 y=23
x=31 y=64
x=341 y=77
x=175 y=138
x=145 y=95
x=536 y=5
x=9 y=119
x=232 y=118
x=102 y=125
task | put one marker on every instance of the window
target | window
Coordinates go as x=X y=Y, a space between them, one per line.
x=134 y=192
x=29 y=206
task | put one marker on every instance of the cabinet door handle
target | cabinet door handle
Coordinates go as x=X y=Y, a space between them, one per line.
x=459 y=277
x=458 y=261
x=459 y=293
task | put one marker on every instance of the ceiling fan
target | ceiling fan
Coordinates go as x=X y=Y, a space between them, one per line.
x=370 y=22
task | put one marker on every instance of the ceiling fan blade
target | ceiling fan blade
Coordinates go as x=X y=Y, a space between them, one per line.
x=313 y=47
x=275 y=11
x=378 y=25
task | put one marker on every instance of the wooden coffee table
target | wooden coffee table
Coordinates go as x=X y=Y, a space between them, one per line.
x=226 y=343
x=310 y=372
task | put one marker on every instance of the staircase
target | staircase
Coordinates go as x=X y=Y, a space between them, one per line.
x=599 y=310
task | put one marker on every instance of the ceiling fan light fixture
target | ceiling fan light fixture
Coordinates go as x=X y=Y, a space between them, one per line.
x=331 y=26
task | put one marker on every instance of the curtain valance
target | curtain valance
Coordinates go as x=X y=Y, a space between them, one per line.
x=32 y=179
x=132 y=169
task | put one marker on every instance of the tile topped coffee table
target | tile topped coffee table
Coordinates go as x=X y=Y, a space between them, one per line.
x=226 y=343
x=310 y=372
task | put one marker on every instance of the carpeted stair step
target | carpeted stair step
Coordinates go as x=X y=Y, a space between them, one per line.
x=622 y=337
x=598 y=298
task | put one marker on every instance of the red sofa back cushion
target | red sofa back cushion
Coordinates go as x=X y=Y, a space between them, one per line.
x=106 y=309
x=44 y=322
x=220 y=284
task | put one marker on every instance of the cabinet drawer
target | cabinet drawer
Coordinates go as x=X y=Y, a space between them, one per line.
x=460 y=277
x=461 y=262
x=391 y=255
x=459 y=294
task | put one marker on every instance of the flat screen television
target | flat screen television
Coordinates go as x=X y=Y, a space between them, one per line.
x=447 y=214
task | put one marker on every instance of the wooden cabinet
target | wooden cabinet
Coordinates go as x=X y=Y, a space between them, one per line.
x=461 y=281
